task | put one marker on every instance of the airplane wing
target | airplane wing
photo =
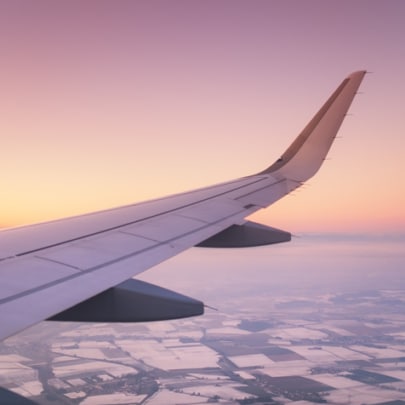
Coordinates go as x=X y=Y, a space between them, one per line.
x=81 y=268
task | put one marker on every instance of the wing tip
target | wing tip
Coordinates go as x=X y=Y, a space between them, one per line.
x=312 y=160
x=358 y=74
x=360 y=71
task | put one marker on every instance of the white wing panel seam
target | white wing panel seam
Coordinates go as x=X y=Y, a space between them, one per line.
x=86 y=254
x=212 y=211
x=164 y=228
x=34 y=271
x=48 y=259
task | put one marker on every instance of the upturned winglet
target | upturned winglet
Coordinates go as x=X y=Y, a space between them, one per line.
x=305 y=155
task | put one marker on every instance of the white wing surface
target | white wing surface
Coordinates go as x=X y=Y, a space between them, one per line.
x=48 y=268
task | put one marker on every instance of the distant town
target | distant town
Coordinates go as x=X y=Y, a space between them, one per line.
x=342 y=348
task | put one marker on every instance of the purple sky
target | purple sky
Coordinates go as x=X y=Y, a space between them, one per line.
x=105 y=103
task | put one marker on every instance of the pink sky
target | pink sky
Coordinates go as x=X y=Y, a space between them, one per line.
x=106 y=103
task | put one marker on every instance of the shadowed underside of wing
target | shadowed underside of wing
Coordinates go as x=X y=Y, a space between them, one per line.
x=48 y=268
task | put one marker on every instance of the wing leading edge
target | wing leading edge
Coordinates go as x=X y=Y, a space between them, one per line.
x=47 y=269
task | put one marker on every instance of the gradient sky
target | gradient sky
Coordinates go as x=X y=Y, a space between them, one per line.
x=105 y=103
